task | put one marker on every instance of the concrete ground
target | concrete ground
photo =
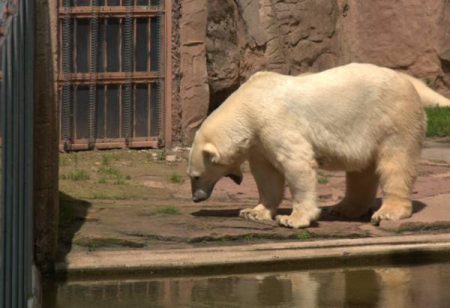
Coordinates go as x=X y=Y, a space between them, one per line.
x=130 y=202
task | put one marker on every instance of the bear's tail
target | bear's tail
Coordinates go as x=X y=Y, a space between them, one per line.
x=429 y=97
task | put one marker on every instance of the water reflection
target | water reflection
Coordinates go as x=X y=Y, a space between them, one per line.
x=420 y=286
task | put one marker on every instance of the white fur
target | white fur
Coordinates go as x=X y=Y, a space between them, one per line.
x=364 y=119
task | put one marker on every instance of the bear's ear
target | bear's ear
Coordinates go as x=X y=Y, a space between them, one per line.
x=211 y=151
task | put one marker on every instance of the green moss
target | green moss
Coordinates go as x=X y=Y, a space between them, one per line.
x=77 y=175
x=168 y=210
x=108 y=174
x=323 y=180
x=438 y=121
x=93 y=243
x=176 y=178
x=304 y=235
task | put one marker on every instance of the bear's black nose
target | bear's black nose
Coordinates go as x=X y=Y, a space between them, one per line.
x=199 y=195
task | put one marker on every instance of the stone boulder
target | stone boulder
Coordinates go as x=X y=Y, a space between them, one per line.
x=223 y=42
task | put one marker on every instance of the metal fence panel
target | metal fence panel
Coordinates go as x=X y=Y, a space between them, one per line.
x=16 y=103
x=110 y=80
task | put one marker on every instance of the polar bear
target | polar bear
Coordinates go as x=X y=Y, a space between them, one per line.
x=366 y=120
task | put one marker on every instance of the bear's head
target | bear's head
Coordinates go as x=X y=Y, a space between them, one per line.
x=206 y=166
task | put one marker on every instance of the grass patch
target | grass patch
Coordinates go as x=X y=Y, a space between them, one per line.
x=108 y=158
x=248 y=237
x=323 y=180
x=77 y=175
x=304 y=235
x=176 y=178
x=162 y=155
x=108 y=174
x=168 y=210
x=93 y=244
x=438 y=121
x=64 y=160
x=107 y=195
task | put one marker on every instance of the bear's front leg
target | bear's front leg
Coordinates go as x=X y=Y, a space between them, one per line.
x=270 y=183
x=301 y=176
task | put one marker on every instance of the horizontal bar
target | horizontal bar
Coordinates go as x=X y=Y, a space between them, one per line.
x=109 y=11
x=155 y=143
x=106 y=78
x=118 y=143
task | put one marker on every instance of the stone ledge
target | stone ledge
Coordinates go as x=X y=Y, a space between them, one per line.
x=257 y=257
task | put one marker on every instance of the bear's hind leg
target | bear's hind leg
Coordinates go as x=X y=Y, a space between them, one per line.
x=397 y=171
x=270 y=183
x=361 y=190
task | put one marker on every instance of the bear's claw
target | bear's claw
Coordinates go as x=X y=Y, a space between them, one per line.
x=392 y=211
x=293 y=221
x=256 y=214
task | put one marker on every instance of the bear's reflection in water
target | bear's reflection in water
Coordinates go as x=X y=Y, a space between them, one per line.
x=418 y=286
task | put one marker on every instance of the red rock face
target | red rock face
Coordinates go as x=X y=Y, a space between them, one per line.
x=223 y=42
x=409 y=35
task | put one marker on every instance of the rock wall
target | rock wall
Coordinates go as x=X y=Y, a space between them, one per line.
x=407 y=35
x=223 y=42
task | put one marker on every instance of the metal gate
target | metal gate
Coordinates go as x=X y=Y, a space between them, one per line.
x=16 y=150
x=111 y=77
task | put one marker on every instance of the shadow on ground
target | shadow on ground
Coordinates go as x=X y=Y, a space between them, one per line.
x=72 y=216
x=326 y=214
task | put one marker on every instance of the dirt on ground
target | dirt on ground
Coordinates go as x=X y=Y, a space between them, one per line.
x=141 y=199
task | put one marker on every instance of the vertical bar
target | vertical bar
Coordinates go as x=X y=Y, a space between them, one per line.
x=155 y=51
x=92 y=71
x=149 y=109
x=101 y=42
x=120 y=104
x=105 y=95
x=75 y=45
x=67 y=67
x=7 y=230
x=82 y=45
x=15 y=158
x=113 y=45
x=141 y=111
x=156 y=86
x=120 y=44
x=141 y=40
x=155 y=105
x=19 y=55
x=133 y=109
x=113 y=111
x=149 y=68
x=82 y=111
x=2 y=169
x=168 y=74
x=127 y=67
x=74 y=113
x=100 y=111
x=29 y=127
x=15 y=239
x=133 y=46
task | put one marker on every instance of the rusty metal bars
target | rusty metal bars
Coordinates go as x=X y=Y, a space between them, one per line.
x=120 y=76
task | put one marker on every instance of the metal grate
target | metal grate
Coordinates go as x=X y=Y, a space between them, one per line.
x=16 y=147
x=111 y=79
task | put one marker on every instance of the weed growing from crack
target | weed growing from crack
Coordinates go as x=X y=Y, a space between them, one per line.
x=176 y=178
x=77 y=175
x=168 y=210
